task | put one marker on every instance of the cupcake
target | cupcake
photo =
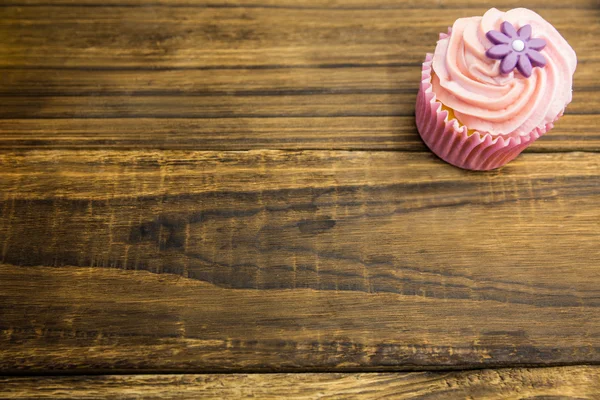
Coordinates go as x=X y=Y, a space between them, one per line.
x=492 y=87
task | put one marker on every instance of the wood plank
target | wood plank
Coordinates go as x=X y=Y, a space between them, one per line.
x=320 y=80
x=571 y=133
x=315 y=4
x=197 y=37
x=317 y=104
x=209 y=82
x=228 y=106
x=582 y=382
x=174 y=260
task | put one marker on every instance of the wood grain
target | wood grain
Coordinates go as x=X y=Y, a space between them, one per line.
x=572 y=133
x=267 y=105
x=539 y=383
x=452 y=268
x=314 y=4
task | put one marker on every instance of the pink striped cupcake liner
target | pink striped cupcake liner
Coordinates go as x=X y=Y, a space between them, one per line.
x=452 y=143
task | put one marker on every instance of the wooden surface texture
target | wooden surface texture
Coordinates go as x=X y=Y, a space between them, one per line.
x=203 y=186
x=564 y=383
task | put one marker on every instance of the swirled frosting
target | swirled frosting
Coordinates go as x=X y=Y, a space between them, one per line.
x=481 y=97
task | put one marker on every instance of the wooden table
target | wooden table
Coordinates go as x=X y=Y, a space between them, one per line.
x=195 y=188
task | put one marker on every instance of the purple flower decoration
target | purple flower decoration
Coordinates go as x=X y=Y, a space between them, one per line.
x=516 y=49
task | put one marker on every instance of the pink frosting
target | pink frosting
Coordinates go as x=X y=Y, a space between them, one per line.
x=483 y=99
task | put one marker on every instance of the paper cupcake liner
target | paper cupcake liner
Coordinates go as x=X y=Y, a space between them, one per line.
x=452 y=143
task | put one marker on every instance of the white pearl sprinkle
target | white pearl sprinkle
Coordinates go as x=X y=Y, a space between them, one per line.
x=518 y=45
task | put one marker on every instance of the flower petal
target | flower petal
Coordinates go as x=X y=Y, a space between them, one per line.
x=508 y=30
x=524 y=66
x=537 y=59
x=525 y=32
x=497 y=37
x=536 y=44
x=509 y=63
x=498 y=51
